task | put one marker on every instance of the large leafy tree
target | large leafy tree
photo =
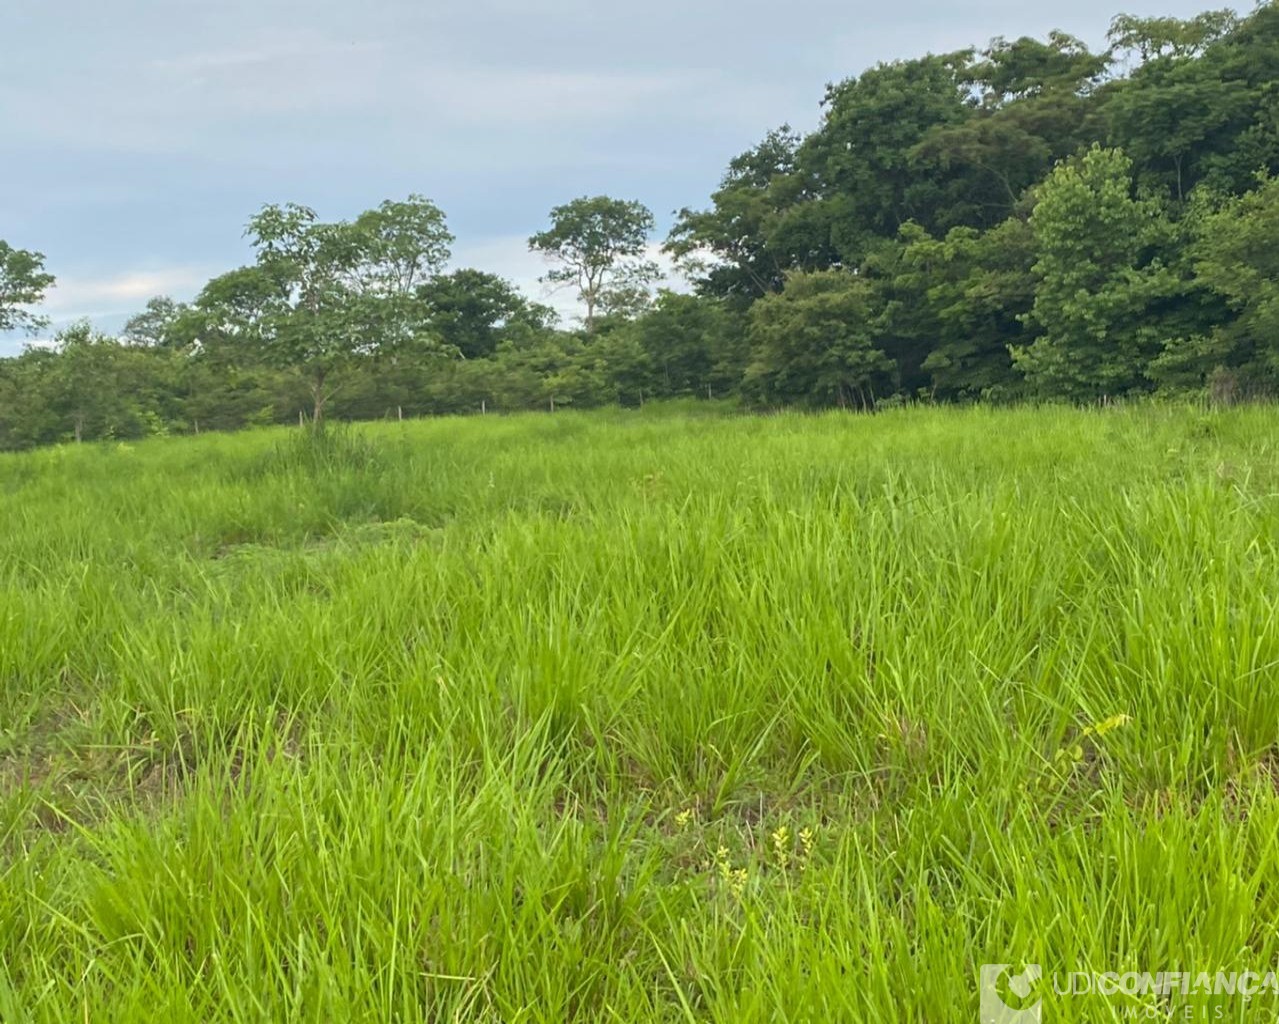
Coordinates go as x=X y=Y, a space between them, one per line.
x=85 y=383
x=599 y=246
x=474 y=312
x=864 y=162
x=815 y=343
x=741 y=247
x=980 y=286
x=1035 y=99
x=1237 y=256
x=951 y=306
x=1172 y=111
x=1200 y=105
x=1249 y=142
x=27 y=417
x=1158 y=38
x=398 y=246
x=23 y=282
x=157 y=325
x=315 y=319
x=690 y=344
x=229 y=315
x=322 y=295
x=1099 y=275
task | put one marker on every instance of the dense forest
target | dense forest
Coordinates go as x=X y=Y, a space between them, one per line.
x=1030 y=221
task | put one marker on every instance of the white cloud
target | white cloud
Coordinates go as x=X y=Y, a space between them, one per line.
x=290 y=74
x=72 y=297
x=234 y=60
x=295 y=93
x=508 y=257
x=519 y=95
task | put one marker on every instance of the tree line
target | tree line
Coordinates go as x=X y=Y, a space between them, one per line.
x=1032 y=220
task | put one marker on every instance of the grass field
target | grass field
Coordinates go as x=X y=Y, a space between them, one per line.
x=669 y=715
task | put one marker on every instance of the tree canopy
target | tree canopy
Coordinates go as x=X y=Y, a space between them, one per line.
x=599 y=246
x=1031 y=219
x=23 y=282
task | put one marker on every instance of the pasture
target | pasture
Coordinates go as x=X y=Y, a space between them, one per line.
x=671 y=715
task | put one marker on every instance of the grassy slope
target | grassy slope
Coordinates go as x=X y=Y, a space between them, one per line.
x=637 y=717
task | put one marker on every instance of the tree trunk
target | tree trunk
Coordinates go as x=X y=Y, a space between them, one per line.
x=318 y=397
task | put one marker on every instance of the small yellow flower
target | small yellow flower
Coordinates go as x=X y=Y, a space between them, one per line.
x=782 y=846
x=806 y=841
x=1109 y=725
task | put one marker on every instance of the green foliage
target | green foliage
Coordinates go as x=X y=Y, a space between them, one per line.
x=1237 y=256
x=687 y=346
x=600 y=246
x=321 y=295
x=864 y=155
x=23 y=282
x=158 y=325
x=738 y=248
x=1170 y=38
x=398 y=246
x=1034 y=100
x=1171 y=114
x=962 y=146
x=475 y=312
x=977 y=288
x=815 y=342
x=93 y=386
x=1030 y=220
x=1099 y=274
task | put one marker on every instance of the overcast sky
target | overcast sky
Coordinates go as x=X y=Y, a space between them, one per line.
x=137 y=136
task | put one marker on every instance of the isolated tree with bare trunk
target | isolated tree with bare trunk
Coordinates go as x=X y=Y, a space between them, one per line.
x=600 y=246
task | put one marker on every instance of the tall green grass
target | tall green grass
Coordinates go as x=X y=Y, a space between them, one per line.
x=639 y=717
